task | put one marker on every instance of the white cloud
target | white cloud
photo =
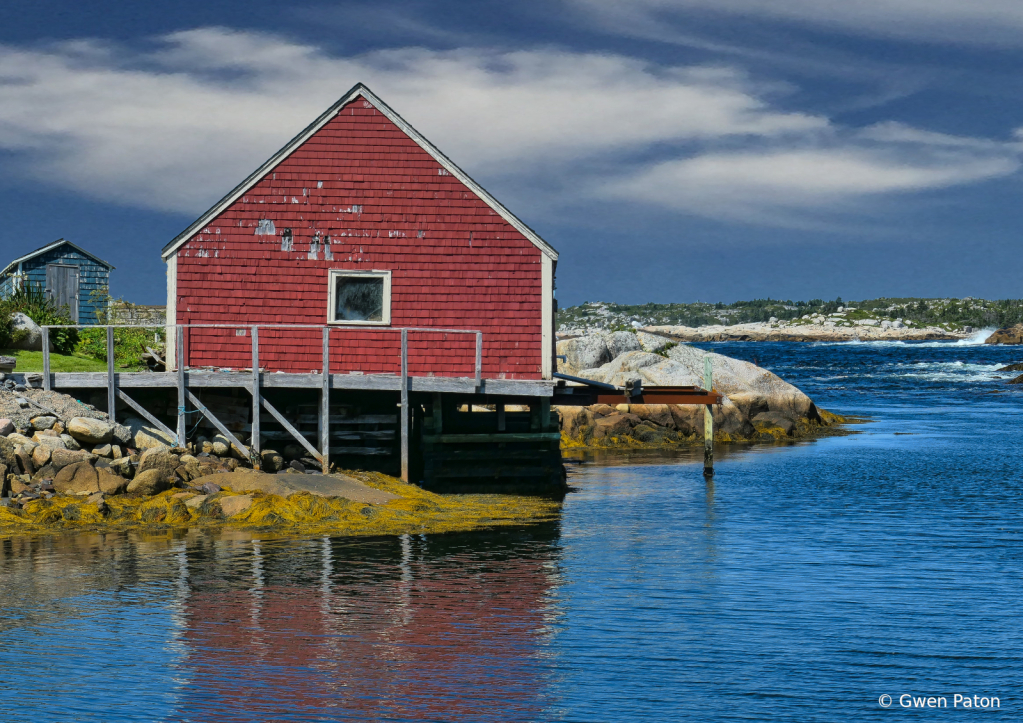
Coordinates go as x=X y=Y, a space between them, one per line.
x=780 y=185
x=175 y=128
x=956 y=21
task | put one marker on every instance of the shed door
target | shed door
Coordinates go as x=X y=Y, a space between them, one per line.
x=62 y=286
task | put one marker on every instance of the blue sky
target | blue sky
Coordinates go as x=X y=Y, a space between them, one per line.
x=671 y=150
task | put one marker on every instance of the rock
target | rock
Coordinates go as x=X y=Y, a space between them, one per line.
x=21 y=440
x=110 y=483
x=208 y=487
x=25 y=462
x=8 y=453
x=44 y=473
x=115 y=451
x=90 y=431
x=574 y=420
x=1007 y=335
x=221 y=446
x=28 y=334
x=103 y=450
x=775 y=419
x=271 y=461
x=42 y=422
x=1017 y=380
x=586 y=352
x=297 y=466
x=100 y=502
x=658 y=414
x=41 y=455
x=160 y=459
x=652 y=342
x=285 y=485
x=47 y=439
x=150 y=482
x=235 y=505
x=621 y=342
x=193 y=503
x=76 y=479
x=70 y=442
x=616 y=425
x=61 y=458
x=145 y=437
x=1009 y=368
x=122 y=435
x=897 y=324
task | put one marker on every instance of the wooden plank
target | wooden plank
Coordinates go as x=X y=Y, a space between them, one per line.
x=256 y=447
x=490 y=438
x=324 y=421
x=47 y=379
x=292 y=431
x=404 y=405
x=111 y=393
x=243 y=380
x=216 y=423
x=180 y=359
x=147 y=416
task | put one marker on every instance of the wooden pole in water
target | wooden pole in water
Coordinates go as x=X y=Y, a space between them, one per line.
x=179 y=360
x=111 y=391
x=325 y=404
x=708 y=421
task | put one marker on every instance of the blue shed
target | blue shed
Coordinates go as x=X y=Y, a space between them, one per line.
x=70 y=275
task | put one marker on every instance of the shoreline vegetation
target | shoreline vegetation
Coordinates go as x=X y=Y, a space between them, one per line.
x=948 y=314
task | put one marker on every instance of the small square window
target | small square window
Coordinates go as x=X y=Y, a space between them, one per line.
x=360 y=297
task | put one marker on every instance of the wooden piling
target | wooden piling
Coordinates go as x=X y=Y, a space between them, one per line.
x=404 y=405
x=111 y=391
x=708 y=421
x=179 y=359
x=257 y=460
x=46 y=359
x=325 y=405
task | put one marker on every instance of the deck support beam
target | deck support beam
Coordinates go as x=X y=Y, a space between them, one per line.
x=179 y=359
x=324 y=426
x=111 y=391
x=708 y=421
x=257 y=460
x=404 y=406
x=216 y=423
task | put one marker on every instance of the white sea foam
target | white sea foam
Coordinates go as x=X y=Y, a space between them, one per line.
x=978 y=338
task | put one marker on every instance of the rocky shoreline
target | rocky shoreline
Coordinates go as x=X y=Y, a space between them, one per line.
x=759 y=406
x=64 y=466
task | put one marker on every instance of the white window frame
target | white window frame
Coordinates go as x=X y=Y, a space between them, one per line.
x=332 y=292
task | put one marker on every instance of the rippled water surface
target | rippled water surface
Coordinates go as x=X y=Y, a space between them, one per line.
x=802 y=584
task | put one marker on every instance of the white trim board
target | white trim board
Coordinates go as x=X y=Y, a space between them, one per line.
x=359 y=90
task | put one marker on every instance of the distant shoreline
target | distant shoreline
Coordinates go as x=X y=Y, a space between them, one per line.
x=764 y=331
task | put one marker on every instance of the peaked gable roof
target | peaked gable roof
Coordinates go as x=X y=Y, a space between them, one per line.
x=50 y=247
x=358 y=91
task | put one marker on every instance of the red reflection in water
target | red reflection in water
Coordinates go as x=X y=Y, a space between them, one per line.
x=400 y=639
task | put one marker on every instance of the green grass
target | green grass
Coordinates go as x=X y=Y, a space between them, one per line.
x=32 y=361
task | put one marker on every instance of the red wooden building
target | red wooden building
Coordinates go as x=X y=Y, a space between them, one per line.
x=360 y=223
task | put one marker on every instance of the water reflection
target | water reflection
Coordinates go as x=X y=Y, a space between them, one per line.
x=449 y=627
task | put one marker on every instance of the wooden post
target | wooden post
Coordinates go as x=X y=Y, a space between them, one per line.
x=179 y=346
x=404 y=405
x=708 y=421
x=46 y=359
x=438 y=414
x=501 y=427
x=479 y=359
x=325 y=404
x=111 y=392
x=257 y=461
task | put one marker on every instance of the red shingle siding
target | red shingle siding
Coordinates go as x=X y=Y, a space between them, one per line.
x=385 y=204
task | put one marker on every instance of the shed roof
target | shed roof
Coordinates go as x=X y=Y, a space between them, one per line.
x=50 y=247
x=359 y=90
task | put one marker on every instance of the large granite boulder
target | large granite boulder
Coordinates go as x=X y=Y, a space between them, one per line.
x=143 y=436
x=585 y=352
x=77 y=479
x=90 y=431
x=27 y=334
x=1007 y=335
x=621 y=342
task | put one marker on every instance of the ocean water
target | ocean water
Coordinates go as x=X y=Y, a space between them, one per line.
x=803 y=583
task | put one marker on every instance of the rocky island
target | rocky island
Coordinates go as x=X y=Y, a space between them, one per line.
x=759 y=406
